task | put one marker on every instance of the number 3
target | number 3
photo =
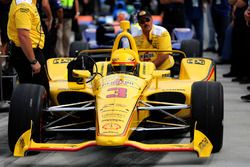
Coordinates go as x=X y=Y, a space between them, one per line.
x=118 y=92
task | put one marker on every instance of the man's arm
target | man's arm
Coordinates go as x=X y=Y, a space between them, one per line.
x=47 y=10
x=164 y=43
x=26 y=45
x=77 y=9
x=161 y=57
x=59 y=14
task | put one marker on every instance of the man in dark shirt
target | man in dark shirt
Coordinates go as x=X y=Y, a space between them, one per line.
x=173 y=14
x=51 y=34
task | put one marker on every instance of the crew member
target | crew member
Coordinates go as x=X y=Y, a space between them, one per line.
x=150 y=36
x=27 y=39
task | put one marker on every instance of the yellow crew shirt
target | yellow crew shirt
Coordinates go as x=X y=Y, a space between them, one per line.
x=159 y=38
x=23 y=14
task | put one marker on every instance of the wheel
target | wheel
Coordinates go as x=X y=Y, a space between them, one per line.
x=27 y=103
x=191 y=47
x=207 y=110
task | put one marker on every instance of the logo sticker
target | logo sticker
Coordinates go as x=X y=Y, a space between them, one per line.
x=24 y=10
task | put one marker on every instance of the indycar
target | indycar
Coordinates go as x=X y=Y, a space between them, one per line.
x=109 y=103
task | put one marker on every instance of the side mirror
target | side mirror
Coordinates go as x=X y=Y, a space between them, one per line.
x=81 y=73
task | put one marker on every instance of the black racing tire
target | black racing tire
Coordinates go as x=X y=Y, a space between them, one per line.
x=208 y=111
x=191 y=47
x=77 y=46
x=27 y=103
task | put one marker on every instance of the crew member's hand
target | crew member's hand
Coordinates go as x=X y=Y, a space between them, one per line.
x=36 y=68
x=77 y=15
x=48 y=23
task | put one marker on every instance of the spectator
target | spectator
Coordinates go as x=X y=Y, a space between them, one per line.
x=220 y=11
x=194 y=18
x=44 y=5
x=240 y=32
x=111 y=4
x=64 y=31
x=173 y=14
x=133 y=16
x=247 y=19
x=27 y=39
x=88 y=6
x=211 y=32
x=151 y=36
x=51 y=32
x=227 y=47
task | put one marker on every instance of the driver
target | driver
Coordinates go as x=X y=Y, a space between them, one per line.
x=123 y=63
x=150 y=36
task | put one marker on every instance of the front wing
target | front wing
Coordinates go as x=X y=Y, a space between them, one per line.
x=200 y=144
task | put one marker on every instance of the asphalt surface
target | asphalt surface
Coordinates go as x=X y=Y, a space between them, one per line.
x=235 y=151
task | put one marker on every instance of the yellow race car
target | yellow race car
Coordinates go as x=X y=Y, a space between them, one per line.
x=117 y=99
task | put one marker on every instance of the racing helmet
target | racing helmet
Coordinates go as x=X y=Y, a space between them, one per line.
x=123 y=63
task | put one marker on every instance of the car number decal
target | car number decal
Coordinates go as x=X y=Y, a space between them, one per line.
x=118 y=92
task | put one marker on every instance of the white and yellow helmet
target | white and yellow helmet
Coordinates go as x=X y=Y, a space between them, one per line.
x=123 y=62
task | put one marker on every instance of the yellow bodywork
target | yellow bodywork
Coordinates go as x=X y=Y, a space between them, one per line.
x=118 y=96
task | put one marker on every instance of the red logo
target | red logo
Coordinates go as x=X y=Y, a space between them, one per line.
x=111 y=126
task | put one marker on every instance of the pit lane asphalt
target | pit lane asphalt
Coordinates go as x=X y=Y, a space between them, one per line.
x=235 y=151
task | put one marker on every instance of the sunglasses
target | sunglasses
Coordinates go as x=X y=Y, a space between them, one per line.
x=144 y=20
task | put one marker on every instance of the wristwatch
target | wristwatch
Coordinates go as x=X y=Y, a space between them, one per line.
x=33 y=62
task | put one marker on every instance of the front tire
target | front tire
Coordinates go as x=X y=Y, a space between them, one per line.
x=207 y=110
x=27 y=103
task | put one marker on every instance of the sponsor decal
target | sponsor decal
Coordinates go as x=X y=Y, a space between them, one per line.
x=116 y=110
x=109 y=132
x=21 y=141
x=61 y=61
x=113 y=115
x=112 y=120
x=117 y=82
x=146 y=56
x=120 y=108
x=114 y=105
x=203 y=143
x=174 y=89
x=196 y=61
x=111 y=126
x=24 y=10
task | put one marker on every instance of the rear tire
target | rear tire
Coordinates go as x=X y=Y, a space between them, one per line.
x=191 y=47
x=207 y=111
x=27 y=103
